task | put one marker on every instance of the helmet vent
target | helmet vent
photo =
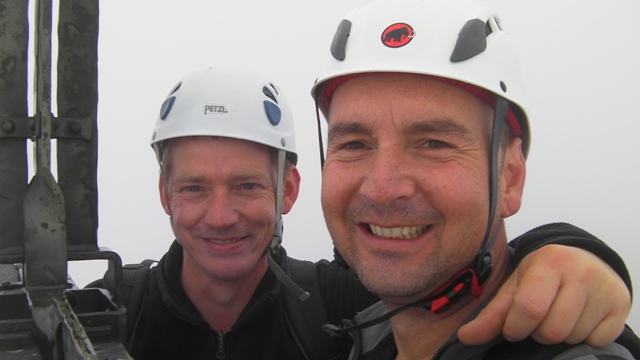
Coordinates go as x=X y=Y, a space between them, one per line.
x=166 y=107
x=275 y=88
x=269 y=94
x=472 y=40
x=175 y=88
x=339 y=43
x=487 y=29
x=503 y=86
x=274 y=114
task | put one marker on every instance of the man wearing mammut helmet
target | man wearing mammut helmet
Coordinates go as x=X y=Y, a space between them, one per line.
x=427 y=139
x=224 y=139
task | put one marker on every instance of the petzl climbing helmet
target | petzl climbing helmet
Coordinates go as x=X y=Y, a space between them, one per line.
x=227 y=102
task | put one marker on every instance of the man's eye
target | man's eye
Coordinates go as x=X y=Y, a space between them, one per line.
x=249 y=186
x=192 y=188
x=435 y=144
x=352 y=145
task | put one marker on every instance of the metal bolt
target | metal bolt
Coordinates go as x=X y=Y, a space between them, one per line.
x=8 y=127
x=75 y=128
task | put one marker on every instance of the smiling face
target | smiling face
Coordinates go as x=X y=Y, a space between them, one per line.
x=220 y=194
x=405 y=183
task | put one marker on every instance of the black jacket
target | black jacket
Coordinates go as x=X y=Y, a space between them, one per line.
x=170 y=327
x=377 y=342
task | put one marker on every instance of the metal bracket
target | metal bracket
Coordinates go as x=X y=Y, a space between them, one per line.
x=63 y=128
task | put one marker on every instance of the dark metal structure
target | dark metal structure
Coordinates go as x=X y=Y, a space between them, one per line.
x=44 y=222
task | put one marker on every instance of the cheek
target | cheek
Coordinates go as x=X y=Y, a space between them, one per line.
x=336 y=192
x=334 y=189
x=259 y=213
x=183 y=215
x=456 y=190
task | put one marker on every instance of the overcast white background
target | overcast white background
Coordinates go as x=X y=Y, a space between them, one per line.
x=580 y=59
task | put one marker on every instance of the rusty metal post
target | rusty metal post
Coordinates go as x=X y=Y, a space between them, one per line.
x=45 y=239
x=14 y=37
x=77 y=131
x=44 y=225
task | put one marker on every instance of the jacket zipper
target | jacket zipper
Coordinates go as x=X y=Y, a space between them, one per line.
x=220 y=355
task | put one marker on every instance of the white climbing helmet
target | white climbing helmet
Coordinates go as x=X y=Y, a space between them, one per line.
x=227 y=102
x=457 y=40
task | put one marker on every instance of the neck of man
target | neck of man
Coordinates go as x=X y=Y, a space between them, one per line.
x=220 y=302
x=419 y=333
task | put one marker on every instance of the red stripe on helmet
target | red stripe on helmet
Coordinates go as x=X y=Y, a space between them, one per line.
x=483 y=94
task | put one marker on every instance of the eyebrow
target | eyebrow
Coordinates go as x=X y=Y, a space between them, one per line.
x=189 y=179
x=247 y=175
x=440 y=126
x=347 y=129
x=240 y=176
x=443 y=126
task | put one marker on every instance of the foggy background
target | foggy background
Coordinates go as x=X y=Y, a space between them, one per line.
x=580 y=59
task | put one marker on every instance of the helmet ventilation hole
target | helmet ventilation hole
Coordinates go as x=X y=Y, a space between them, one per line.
x=176 y=88
x=166 y=107
x=275 y=88
x=269 y=94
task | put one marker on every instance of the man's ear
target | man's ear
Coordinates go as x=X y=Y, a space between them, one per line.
x=291 y=189
x=164 y=196
x=513 y=176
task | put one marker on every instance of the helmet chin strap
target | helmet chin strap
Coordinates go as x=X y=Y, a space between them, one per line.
x=483 y=259
x=277 y=231
x=315 y=99
x=473 y=277
x=276 y=240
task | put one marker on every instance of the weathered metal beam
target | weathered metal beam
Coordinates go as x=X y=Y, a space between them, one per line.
x=77 y=94
x=45 y=239
x=42 y=315
x=14 y=37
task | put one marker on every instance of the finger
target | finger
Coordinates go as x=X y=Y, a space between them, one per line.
x=537 y=289
x=607 y=331
x=607 y=303
x=488 y=324
x=604 y=314
x=564 y=316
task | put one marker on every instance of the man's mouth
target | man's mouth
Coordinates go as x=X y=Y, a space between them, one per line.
x=402 y=232
x=223 y=242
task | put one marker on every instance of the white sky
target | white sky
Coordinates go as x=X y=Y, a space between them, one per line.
x=580 y=59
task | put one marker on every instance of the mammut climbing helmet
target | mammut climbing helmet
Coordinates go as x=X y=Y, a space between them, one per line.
x=226 y=102
x=456 y=41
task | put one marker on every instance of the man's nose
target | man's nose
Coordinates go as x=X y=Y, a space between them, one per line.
x=388 y=178
x=221 y=210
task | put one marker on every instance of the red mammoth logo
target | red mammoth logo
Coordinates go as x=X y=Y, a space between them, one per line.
x=397 y=35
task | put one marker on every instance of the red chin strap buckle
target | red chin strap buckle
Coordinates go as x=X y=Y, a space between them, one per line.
x=451 y=292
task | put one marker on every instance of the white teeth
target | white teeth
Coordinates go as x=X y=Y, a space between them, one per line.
x=404 y=232
x=386 y=232
x=223 y=241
